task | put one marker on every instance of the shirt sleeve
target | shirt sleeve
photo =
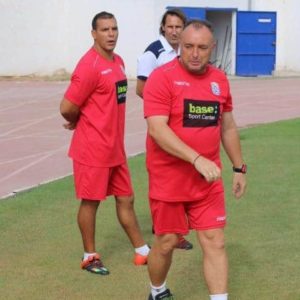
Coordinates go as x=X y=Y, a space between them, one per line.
x=157 y=95
x=147 y=62
x=228 y=104
x=83 y=83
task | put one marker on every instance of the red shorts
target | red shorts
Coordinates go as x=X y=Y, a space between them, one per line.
x=179 y=217
x=94 y=183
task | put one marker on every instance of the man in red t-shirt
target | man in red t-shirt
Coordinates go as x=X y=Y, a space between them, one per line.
x=188 y=107
x=94 y=106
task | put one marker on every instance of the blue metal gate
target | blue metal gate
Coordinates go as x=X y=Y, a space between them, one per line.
x=256 y=43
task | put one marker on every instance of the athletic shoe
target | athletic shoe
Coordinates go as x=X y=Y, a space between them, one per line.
x=184 y=244
x=94 y=265
x=140 y=260
x=166 y=295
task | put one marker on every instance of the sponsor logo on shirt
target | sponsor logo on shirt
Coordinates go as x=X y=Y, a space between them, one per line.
x=181 y=83
x=215 y=88
x=221 y=218
x=121 y=90
x=200 y=113
x=106 y=71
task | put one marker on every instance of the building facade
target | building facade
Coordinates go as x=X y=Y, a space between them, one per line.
x=48 y=37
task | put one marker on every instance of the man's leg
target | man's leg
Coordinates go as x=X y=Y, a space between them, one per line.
x=215 y=263
x=86 y=219
x=182 y=242
x=159 y=262
x=128 y=220
x=160 y=257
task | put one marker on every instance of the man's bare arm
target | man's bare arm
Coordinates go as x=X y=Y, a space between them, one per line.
x=70 y=112
x=140 y=87
x=165 y=137
x=232 y=146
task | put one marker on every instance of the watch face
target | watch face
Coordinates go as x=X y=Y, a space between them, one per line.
x=244 y=169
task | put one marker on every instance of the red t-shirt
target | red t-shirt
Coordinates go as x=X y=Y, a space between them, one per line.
x=194 y=105
x=98 y=86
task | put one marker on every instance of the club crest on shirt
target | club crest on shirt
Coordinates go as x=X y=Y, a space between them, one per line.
x=215 y=88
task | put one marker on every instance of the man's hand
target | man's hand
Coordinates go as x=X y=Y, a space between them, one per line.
x=210 y=171
x=239 y=185
x=70 y=125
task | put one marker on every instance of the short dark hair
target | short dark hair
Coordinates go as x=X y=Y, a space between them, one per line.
x=101 y=15
x=196 y=23
x=171 y=12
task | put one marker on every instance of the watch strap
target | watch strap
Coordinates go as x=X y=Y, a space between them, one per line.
x=242 y=169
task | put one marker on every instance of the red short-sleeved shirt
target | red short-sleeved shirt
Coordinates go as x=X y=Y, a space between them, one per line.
x=98 y=86
x=194 y=105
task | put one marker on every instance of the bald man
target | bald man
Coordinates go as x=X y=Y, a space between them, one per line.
x=188 y=108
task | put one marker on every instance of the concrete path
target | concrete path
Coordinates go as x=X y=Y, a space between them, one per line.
x=34 y=145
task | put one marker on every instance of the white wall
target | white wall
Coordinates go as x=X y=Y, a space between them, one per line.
x=41 y=37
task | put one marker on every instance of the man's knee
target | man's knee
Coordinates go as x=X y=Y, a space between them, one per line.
x=212 y=239
x=166 y=243
x=86 y=204
x=125 y=200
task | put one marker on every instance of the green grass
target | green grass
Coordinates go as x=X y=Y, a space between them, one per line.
x=40 y=246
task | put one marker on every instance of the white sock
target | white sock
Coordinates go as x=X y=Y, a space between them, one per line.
x=144 y=250
x=219 y=297
x=155 y=290
x=86 y=255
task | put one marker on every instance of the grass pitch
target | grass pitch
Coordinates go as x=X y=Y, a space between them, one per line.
x=40 y=248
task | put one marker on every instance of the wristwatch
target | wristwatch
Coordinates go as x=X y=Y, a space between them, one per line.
x=242 y=169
